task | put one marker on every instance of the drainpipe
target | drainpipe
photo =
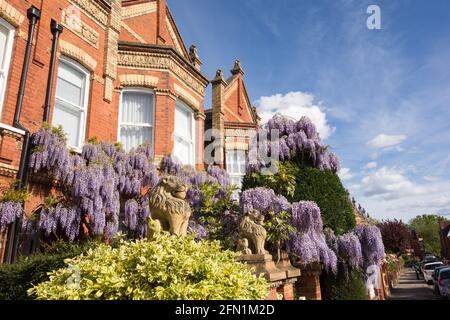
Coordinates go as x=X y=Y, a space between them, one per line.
x=57 y=29
x=33 y=15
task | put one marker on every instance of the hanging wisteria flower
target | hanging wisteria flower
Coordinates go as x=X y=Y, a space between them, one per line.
x=293 y=140
x=9 y=212
x=170 y=165
x=349 y=250
x=372 y=246
x=308 y=243
x=264 y=200
x=94 y=183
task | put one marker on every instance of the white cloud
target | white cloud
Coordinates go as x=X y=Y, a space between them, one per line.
x=390 y=184
x=386 y=141
x=295 y=104
x=345 y=174
x=431 y=178
x=371 y=165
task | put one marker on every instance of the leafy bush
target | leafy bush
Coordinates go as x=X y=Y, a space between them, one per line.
x=167 y=268
x=343 y=286
x=396 y=236
x=311 y=184
x=17 y=278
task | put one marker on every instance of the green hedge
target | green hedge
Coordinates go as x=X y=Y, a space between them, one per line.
x=16 y=279
x=343 y=287
x=298 y=183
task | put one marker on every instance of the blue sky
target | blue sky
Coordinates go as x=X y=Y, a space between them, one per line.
x=380 y=98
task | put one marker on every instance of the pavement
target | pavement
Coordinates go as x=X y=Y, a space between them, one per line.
x=409 y=288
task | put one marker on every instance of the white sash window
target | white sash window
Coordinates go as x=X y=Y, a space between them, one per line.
x=136 y=118
x=184 y=134
x=6 y=44
x=71 y=101
x=235 y=164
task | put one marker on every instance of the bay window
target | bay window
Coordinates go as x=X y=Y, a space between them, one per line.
x=184 y=134
x=71 y=101
x=136 y=118
x=235 y=164
x=6 y=44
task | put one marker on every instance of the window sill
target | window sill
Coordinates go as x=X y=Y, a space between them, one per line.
x=12 y=129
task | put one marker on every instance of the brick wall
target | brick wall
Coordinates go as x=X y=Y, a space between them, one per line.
x=309 y=286
x=92 y=36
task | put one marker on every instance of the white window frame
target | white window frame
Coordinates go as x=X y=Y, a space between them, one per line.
x=8 y=55
x=152 y=125
x=84 y=110
x=227 y=164
x=192 y=157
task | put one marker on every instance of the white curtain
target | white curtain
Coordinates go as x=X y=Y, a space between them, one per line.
x=183 y=137
x=236 y=161
x=136 y=119
x=236 y=166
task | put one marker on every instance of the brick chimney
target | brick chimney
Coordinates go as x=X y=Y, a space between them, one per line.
x=161 y=35
x=218 y=104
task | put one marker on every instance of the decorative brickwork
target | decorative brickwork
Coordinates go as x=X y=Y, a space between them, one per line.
x=93 y=10
x=81 y=29
x=185 y=95
x=138 y=80
x=173 y=36
x=139 y=10
x=70 y=50
x=155 y=61
x=111 y=48
x=132 y=32
x=10 y=14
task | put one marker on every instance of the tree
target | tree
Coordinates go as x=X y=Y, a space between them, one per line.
x=396 y=236
x=427 y=228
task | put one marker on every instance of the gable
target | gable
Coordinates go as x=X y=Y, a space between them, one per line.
x=141 y=23
x=237 y=104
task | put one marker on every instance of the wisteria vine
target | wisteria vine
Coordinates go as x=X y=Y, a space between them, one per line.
x=294 y=140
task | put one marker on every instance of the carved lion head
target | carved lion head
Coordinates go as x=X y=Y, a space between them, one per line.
x=256 y=216
x=175 y=186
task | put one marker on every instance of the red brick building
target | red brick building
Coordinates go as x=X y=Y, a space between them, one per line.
x=235 y=120
x=121 y=72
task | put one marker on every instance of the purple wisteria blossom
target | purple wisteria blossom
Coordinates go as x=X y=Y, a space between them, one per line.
x=349 y=250
x=94 y=184
x=264 y=200
x=170 y=165
x=9 y=212
x=199 y=230
x=296 y=139
x=371 y=245
x=309 y=243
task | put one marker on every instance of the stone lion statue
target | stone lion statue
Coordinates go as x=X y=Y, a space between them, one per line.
x=251 y=228
x=242 y=246
x=168 y=205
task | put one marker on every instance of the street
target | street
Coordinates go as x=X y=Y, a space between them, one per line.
x=409 y=288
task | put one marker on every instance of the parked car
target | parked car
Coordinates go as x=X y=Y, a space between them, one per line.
x=428 y=270
x=436 y=275
x=437 y=270
x=442 y=282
